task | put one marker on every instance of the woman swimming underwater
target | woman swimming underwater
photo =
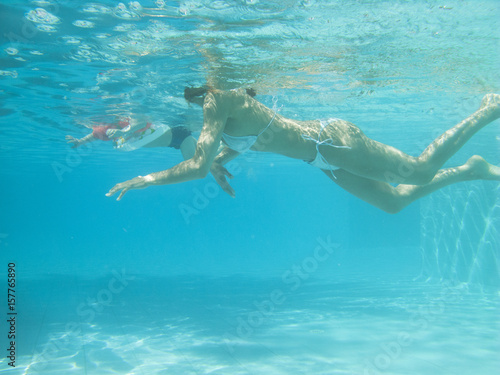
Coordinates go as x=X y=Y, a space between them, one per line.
x=358 y=164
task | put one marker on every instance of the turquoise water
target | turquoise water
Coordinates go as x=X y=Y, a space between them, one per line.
x=294 y=275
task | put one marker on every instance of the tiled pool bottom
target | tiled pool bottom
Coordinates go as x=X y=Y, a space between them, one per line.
x=183 y=325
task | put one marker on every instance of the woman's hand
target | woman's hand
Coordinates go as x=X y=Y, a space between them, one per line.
x=220 y=173
x=75 y=141
x=139 y=182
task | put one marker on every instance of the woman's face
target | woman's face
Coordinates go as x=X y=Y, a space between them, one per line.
x=198 y=100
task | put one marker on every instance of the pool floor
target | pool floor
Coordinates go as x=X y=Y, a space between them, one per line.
x=241 y=325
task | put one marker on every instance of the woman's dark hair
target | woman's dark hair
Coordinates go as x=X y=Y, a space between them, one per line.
x=192 y=92
x=251 y=92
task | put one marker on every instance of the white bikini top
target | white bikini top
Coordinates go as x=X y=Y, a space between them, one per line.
x=243 y=143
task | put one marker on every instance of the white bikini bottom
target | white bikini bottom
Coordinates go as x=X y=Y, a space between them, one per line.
x=319 y=161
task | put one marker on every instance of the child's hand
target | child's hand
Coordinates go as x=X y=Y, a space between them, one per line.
x=114 y=133
x=75 y=141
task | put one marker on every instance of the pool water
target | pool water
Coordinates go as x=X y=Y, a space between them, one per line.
x=294 y=275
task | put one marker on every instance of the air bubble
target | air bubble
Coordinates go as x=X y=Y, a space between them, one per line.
x=121 y=11
x=116 y=46
x=11 y=51
x=8 y=73
x=40 y=15
x=83 y=24
x=218 y=5
x=71 y=40
x=135 y=6
x=46 y=28
x=42 y=3
x=124 y=27
x=97 y=8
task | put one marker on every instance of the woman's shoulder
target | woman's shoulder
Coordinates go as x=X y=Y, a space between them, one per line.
x=238 y=92
x=227 y=98
x=227 y=94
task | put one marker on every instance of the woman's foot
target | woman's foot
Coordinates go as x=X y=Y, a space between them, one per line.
x=480 y=169
x=491 y=102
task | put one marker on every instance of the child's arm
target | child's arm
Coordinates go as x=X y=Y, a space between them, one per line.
x=78 y=142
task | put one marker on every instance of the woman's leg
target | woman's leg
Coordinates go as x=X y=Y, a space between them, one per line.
x=446 y=145
x=393 y=199
x=376 y=161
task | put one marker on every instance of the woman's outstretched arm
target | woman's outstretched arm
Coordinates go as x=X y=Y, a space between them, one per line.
x=214 y=120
